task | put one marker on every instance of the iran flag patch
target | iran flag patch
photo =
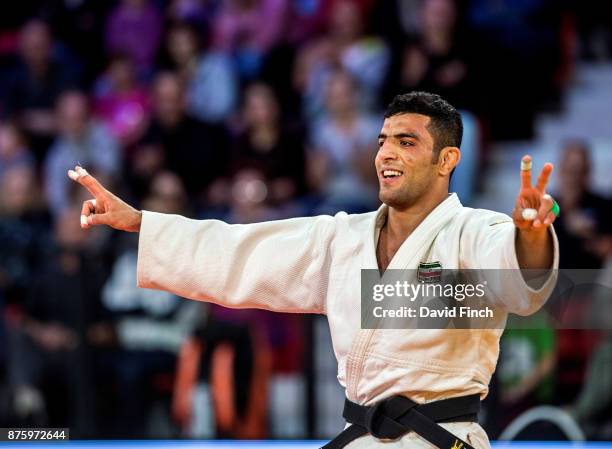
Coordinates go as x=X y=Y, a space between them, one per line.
x=429 y=272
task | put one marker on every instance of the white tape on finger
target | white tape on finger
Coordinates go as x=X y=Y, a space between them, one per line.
x=529 y=214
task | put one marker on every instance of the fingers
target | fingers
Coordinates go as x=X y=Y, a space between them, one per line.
x=81 y=176
x=544 y=176
x=550 y=219
x=526 y=172
x=89 y=217
x=89 y=207
x=520 y=218
x=529 y=214
x=97 y=219
x=525 y=217
x=546 y=204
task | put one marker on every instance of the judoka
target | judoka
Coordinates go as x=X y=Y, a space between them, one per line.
x=409 y=388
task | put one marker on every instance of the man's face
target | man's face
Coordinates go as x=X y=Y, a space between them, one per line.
x=404 y=162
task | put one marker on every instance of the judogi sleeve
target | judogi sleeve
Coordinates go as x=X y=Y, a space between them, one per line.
x=489 y=246
x=278 y=265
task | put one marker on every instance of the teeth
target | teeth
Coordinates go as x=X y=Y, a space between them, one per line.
x=387 y=173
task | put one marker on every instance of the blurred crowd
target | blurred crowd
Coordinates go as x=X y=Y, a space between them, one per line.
x=244 y=110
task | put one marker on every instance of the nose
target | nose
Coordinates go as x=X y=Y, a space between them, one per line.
x=387 y=151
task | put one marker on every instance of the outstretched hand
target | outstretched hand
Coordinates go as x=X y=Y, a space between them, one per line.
x=105 y=208
x=533 y=210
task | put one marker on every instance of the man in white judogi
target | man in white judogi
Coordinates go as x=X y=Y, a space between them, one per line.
x=313 y=264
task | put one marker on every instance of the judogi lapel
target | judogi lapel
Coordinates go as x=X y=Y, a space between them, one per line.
x=409 y=255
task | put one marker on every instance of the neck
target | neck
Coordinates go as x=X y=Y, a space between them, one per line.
x=402 y=222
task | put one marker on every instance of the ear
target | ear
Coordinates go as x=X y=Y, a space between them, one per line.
x=448 y=160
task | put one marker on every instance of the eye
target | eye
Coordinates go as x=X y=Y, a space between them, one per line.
x=406 y=143
x=380 y=143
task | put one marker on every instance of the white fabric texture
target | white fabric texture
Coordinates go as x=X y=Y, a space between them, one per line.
x=313 y=265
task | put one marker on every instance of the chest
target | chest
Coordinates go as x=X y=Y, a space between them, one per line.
x=386 y=248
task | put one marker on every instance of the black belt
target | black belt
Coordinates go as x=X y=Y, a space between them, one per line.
x=398 y=415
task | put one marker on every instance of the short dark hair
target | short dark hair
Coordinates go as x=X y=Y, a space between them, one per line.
x=445 y=126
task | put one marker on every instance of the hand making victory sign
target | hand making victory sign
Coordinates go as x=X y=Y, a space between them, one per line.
x=105 y=208
x=534 y=207
x=533 y=213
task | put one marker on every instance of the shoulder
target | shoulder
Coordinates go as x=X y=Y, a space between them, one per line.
x=356 y=225
x=342 y=219
x=341 y=223
x=357 y=219
x=470 y=218
x=474 y=224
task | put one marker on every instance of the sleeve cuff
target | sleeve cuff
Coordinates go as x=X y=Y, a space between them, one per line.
x=145 y=250
x=536 y=296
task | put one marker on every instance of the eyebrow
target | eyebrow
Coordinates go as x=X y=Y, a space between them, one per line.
x=400 y=136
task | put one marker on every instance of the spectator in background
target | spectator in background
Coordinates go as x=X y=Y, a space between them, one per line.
x=23 y=232
x=344 y=145
x=520 y=42
x=267 y=146
x=437 y=60
x=35 y=84
x=344 y=45
x=121 y=102
x=52 y=349
x=13 y=149
x=199 y=13
x=151 y=325
x=465 y=178
x=135 y=27
x=394 y=20
x=308 y=19
x=595 y=37
x=526 y=366
x=594 y=401
x=79 y=24
x=585 y=228
x=81 y=140
x=142 y=165
x=195 y=151
x=248 y=29
x=267 y=166
x=211 y=84
x=584 y=231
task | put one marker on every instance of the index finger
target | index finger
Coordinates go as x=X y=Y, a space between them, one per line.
x=526 y=172
x=81 y=176
x=544 y=176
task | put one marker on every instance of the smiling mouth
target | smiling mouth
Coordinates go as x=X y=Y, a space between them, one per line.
x=390 y=174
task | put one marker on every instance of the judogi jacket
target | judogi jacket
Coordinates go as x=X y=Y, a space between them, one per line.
x=313 y=264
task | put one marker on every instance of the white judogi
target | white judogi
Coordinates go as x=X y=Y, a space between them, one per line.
x=313 y=265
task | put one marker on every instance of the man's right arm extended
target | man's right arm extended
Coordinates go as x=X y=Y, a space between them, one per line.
x=280 y=265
